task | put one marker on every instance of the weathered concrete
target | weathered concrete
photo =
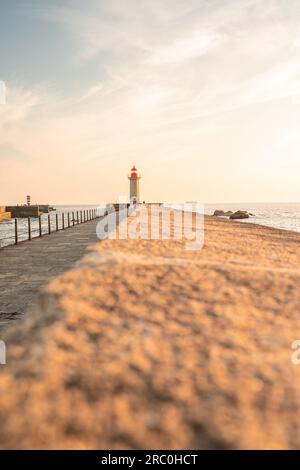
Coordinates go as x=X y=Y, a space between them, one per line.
x=23 y=211
x=26 y=267
x=45 y=208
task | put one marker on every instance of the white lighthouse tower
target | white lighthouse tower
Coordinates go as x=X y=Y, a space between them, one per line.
x=134 y=179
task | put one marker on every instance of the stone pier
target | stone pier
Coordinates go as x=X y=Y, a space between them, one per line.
x=145 y=344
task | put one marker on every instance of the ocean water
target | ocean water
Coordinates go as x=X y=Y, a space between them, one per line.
x=281 y=215
x=285 y=216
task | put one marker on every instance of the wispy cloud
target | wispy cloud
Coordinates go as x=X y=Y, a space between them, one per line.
x=20 y=104
x=161 y=81
x=93 y=91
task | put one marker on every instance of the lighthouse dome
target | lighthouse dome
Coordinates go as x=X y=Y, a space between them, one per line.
x=133 y=171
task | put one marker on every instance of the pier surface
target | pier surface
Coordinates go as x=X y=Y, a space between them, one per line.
x=25 y=268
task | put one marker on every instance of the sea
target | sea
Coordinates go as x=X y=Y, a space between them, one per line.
x=284 y=216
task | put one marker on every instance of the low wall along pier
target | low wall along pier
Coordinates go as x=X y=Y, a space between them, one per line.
x=28 y=211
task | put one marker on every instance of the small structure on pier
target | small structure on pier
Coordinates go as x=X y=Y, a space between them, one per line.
x=134 y=179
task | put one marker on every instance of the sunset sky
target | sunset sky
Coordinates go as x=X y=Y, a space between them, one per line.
x=202 y=95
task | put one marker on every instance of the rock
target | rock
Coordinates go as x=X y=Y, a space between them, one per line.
x=233 y=215
x=220 y=213
x=240 y=215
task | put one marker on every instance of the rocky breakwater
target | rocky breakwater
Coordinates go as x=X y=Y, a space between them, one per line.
x=233 y=215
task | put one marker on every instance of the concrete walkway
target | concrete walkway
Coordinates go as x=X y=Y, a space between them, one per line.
x=25 y=268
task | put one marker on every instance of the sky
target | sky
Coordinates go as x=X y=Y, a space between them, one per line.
x=202 y=95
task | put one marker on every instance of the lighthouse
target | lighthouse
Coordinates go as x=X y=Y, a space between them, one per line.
x=134 y=179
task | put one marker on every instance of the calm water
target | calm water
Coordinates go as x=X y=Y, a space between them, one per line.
x=281 y=215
